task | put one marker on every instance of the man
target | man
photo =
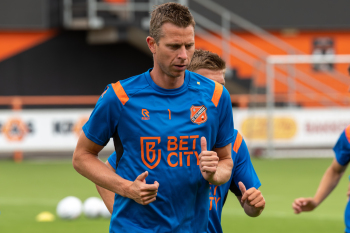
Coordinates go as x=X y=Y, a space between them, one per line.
x=243 y=175
x=162 y=122
x=330 y=179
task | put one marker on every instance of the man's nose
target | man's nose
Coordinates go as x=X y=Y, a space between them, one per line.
x=183 y=53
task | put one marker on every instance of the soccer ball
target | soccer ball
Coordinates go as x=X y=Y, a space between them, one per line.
x=104 y=211
x=69 y=208
x=92 y=207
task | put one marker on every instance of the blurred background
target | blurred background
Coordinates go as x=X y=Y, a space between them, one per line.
x=287 y=75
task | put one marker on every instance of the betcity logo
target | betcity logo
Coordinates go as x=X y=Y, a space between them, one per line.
x=179 y=151
x=213 y=198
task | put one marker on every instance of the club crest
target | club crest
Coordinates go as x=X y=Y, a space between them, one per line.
x=198 y=114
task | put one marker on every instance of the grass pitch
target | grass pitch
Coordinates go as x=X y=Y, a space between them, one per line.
x=31 y=187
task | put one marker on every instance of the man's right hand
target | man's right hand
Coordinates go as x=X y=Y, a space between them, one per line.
x=141 y=192
x=304 y=204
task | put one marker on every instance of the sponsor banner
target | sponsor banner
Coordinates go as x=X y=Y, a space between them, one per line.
x=293 y=127
x=42 y=130
x=58 y=130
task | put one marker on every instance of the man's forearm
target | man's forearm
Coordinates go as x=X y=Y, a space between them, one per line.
x=329 y=181
x=223 y=172
x=107 y=197
x=95 y=170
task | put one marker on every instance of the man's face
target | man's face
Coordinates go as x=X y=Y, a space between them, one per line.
x=175 y=49
x=216 y=75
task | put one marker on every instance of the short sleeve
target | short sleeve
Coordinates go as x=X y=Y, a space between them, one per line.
x=112 y=160
x=226 y=130
x=342 y=149
x=104 y=118
x=243 y=171
x=234 y=189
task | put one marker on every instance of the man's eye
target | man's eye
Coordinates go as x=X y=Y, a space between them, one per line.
x=189 y=46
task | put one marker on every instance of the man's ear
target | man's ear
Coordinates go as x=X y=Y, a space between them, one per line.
x=151 y=44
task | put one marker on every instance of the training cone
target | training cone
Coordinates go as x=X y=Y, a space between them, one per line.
x=45 y=217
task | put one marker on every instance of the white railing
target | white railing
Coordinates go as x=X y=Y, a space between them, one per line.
x=227 y=17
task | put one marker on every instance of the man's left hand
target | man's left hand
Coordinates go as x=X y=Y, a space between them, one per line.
x=208 y=162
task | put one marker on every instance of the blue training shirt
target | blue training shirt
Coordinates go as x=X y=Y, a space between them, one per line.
x=342 y=155
x=243 y=170
x=159 y=130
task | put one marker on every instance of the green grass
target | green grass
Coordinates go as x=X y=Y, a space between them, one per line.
x=31 y=187
x=282 y=182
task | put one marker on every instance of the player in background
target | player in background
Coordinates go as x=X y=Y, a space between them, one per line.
x=163 y=122
x=243 y=175
x=330 y=179
x=244 y=182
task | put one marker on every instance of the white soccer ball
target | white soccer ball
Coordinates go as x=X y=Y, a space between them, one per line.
x=92 y=207
x=104 y=211
x=69 y=208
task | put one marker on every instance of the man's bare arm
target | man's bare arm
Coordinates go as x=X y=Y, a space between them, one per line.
x=106 y=195
x=86 y=162
x=225 y=166
x=329 y=181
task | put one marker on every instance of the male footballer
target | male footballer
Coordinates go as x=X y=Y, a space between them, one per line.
x=172 y=130
x=243 y=175
x=330 y=179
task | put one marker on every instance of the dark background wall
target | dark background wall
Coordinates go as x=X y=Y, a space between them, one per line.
x=269 y=14
x=67 y=65
x=30 y=14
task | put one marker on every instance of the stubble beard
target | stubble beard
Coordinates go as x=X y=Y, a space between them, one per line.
x=166 y=70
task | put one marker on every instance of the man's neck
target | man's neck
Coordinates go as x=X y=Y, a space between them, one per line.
x=165 y=81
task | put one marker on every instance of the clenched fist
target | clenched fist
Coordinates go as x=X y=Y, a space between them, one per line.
x=208 y=162
x=141 y=192
x=304 y=204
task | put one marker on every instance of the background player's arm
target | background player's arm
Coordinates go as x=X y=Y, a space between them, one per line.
x=86 y=162
x=106 y=195
x=244 y=177
x=216 y=166
x=329 y=181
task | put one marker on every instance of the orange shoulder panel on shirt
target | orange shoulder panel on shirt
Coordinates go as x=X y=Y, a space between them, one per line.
x=347 y=132
x=120 y=92
x=217 y=93
x=238 y=142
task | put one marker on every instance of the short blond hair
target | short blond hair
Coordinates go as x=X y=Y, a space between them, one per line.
x=171 y=12
x=206 y=60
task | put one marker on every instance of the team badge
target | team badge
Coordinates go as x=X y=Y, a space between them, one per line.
x=199 y=114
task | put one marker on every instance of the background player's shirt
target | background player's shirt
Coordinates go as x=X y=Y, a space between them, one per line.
x=342 y=155
x=243 y=171
x=159 y=130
